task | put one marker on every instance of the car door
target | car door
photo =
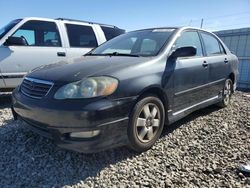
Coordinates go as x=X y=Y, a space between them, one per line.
x=81 y=39
x=218 y=66
x=43 y=47
x=190 y=73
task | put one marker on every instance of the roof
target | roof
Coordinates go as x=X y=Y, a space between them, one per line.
x=174 y=28
x=82 y=21
x=73 y=20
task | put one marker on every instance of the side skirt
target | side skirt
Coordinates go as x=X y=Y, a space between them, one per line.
x=175 y=116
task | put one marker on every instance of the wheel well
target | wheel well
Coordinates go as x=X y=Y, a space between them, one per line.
x=158 y=93
x=232 y=77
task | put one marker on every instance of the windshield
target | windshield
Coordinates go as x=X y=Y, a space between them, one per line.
x=8 y=27
x=137 y=43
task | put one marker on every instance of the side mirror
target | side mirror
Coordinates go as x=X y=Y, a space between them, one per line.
x=185 y=51
x=15 y=41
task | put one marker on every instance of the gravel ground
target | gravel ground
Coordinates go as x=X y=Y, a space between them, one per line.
x=202 y=150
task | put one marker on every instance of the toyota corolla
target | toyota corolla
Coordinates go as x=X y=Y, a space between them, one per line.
x=126 y=90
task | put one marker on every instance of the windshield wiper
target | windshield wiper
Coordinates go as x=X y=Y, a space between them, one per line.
x=90 y=54
x=112 y=54
x=121 y=54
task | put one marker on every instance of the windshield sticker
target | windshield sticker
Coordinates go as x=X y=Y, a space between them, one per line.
x=163 y=30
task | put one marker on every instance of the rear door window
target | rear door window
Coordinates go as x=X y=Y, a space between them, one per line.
x=212 y=45
x=189 y=38
x=39 y=33
x=81 y=36
x=110 y=32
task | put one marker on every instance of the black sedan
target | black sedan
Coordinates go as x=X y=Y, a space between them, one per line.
x=126 y=90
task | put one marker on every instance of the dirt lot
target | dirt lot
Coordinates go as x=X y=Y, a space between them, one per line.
x=202 y=150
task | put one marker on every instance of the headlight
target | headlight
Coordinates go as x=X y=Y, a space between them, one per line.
x=88 y=88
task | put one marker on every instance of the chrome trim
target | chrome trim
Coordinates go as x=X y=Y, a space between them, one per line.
x=40 y=82
x=124 y=98
x=199 y=87
x=115 y=121
x=197 y=104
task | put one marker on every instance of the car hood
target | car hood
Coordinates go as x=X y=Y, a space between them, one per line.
x=77 y=69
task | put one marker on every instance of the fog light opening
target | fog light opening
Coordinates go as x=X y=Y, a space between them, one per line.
x=84 y=134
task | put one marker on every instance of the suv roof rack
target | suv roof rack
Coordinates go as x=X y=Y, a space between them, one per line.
x=75 y=20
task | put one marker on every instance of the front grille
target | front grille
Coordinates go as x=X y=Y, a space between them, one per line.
x=35 y=88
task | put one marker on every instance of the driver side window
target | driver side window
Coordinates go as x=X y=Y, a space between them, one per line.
x=29 y=36
x=189 y=38
x=39 y=33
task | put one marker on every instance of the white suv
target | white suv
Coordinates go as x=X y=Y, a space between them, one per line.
x=32 y=42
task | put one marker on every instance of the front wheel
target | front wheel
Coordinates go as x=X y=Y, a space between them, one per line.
x=146 y=123
x=226 y=93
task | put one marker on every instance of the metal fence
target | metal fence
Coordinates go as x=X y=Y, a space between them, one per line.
x=238 y=41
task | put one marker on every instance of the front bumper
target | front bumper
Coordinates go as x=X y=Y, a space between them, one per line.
x=56 y=119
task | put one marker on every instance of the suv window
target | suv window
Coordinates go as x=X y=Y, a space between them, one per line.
x=39 y=33
x=110 y=32
x=189 y=38
x=212 y=45
x=81 y=36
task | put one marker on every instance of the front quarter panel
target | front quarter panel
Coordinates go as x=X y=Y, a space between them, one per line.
x=134 y=80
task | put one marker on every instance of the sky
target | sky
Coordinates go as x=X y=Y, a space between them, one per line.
x=132 y=14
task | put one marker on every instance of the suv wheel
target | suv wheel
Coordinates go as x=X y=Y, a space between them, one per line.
x=227 y=93
x=146 y=123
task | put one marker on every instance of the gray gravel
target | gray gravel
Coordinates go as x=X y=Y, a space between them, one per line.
x=202 y=150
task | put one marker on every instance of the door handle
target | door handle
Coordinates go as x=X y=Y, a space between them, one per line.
x=61 y=54
x=226 y=61
x=205 y=64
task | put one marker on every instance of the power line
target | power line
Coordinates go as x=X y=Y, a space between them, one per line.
x=228 y=15
x=238 y=23
x=236 y=18
x=231 y=25
x=214 y=17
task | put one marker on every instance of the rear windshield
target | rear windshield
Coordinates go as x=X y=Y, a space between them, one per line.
x=140 y=43
x=8 y=27
x=110 y=32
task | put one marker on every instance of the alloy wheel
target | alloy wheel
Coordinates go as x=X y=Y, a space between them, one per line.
x=148 y=122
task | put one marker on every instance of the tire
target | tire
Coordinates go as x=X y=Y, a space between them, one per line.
x=146 y=123
x=226 y=93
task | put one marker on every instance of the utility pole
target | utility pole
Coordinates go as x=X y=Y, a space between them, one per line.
x=201 y=22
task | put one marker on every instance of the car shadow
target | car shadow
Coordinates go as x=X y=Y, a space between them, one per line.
x=5 y=100
x=23 y=151
x=202 y=112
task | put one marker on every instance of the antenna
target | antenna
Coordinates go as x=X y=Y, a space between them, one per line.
x=201 y=22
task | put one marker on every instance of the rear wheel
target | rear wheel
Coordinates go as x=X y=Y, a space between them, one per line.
x=227 y=93
x=146 y=123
